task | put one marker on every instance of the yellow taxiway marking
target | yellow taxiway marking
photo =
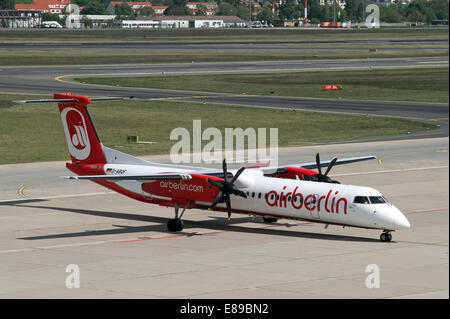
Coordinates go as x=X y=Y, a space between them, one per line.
x=20 y=191
x=60 y=78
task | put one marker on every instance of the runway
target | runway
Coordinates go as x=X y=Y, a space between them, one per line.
x=228 y=45
x=55 y=79
x=123 y=249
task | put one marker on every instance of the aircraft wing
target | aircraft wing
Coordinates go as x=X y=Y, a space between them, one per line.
x=311 y=165
x=147 y=178
x=216 y=173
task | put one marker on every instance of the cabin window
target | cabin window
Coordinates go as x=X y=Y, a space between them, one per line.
x=253 y=194
x=361 y=200
x=376 y=200
x=289 y=198
x=259 y=195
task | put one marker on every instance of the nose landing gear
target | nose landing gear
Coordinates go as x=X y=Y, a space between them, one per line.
x=385 y=236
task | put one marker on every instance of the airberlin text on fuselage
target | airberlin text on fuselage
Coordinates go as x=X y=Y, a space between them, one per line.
x=331 y=202
x=181 y=186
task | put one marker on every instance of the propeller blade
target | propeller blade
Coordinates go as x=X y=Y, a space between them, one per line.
x=217 y=200
x=238 y=192
x=225 y=170
x=239 y=172
x=215 y=183
x=227 y=201
x=333 y=161
x=318 y=163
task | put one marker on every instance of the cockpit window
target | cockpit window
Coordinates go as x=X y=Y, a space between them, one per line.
x=376 y=200
x=361 y=200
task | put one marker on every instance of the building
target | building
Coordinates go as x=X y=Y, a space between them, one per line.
x=20 y=18
x=208 y=8
x=340 y=3
x=45 y=6
x=136 y=6
x=385 y=3
x=159 y=10
x=94 y=21
x=182 y=22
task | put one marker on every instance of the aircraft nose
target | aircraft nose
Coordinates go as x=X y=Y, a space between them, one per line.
x=401 y=221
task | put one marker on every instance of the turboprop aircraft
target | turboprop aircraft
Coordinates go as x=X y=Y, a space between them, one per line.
x=291 y=192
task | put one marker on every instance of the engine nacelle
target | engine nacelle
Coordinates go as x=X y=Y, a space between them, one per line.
x=294 y=173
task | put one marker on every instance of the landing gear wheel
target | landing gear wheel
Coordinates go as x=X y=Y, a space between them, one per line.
x=174 y=225
x=386 y=237
x=270 y=220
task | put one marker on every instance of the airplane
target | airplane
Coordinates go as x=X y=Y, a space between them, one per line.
x=285 y=192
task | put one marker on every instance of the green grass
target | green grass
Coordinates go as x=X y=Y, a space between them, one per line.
x=33 y=132
x=169 y=35
x=426 y=85
x=98 y=56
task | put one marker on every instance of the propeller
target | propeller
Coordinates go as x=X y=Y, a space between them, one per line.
x=323 y=177
x=226 y=188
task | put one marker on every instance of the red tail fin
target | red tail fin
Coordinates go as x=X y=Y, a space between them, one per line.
x=82 y=140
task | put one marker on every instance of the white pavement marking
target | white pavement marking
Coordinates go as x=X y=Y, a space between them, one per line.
x=54 y=197
x=393 y=170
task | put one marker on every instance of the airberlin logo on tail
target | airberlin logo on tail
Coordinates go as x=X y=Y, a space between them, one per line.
x=76 y=133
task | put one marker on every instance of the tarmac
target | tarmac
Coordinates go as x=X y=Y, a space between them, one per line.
x=123 y=250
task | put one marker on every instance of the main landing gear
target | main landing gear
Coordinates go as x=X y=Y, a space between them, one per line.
x=176 y=224
x=386 y=236
x=270 y=220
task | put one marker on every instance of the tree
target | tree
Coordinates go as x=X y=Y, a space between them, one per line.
x=356 y=9
x=124 y=12
x=317 y=12
x=94 y=7
x=440 y=9
x=87 y=22
x=146 y=12
x=174 y=10
x=289 y=11
x=7 y=4
x=415 y=16
x=243 y=13
x=390 y=15
x=226 y=9
x=266 y=14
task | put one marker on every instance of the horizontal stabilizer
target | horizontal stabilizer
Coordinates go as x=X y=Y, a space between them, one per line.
x=71 y=100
